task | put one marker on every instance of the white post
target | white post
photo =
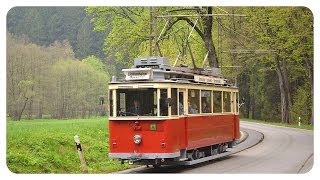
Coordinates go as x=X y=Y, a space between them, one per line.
x=299 y=121
x=84 y=167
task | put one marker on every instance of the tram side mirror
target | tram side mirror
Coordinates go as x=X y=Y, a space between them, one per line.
x=242 y=102
x=169 y=101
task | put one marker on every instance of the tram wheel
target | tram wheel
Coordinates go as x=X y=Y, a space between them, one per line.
x=195 y=154
x=220 y=148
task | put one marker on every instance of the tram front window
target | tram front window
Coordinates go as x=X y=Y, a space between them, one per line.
x=134 y=102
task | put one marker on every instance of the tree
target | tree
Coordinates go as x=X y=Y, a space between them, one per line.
x=276 y=29
x=95 y=63
x=203 y=28
x=130 y=33
x=27 y=68
x=45 y=25
x=76 y=87
x=21 y=82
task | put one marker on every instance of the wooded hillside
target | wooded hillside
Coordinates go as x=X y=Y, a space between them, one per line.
x=59 y=59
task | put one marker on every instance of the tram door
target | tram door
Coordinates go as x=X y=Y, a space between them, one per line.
x=182 y=102
x=182 y=112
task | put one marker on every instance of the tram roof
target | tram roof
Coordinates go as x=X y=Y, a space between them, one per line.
x=158 y=70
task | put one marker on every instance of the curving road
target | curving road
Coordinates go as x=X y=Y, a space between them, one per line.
x=282 y=150
x=267 y=149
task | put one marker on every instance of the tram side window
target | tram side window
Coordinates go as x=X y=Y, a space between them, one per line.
x=217 y=102
x=205 y=101
x=174 y=100
x=226 y=101
x=136 y=102
x=193 y=101
x=110 y=103
x=163 y=102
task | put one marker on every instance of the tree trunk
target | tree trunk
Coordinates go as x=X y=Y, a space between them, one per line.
x=309 y=67
x=287 y=89
x=19 y=113
x=284 y=90
x=253 y=107
x=206 y=34
x=208 y=40
x=30 y=107
x=40 y=109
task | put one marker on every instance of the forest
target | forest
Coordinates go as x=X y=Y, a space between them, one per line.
x=60 y=59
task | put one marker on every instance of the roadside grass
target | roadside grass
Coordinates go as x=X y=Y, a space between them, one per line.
x=47 y=146
x=302 y=126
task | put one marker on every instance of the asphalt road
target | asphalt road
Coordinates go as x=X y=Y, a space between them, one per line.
x=265 y=149
x=282 y=150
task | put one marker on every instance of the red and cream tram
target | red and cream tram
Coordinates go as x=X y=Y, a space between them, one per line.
x=171 y=115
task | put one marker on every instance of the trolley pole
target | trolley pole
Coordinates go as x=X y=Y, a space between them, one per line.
x=153 y=51
x=84 y=167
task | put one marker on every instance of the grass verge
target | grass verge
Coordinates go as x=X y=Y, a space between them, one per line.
x=47 y=146
x=302 y=126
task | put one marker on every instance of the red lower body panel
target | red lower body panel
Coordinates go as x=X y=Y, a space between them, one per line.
x=168 y=137
x=158 y=136
x=207 y=130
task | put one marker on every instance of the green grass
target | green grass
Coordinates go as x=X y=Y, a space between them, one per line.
x=302 y=126
x=47 y=146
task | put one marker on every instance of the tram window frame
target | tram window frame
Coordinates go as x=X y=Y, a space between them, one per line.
x=233 y=102
x=193 y=101
x=217 y=101
x=237 y=102
x=111 y=103
x=227 y=99
x=174 y=100
x=208 y=98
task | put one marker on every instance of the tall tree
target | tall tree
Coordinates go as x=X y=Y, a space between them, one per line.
x=203 y=28
x=131 y=24
x=275 y=30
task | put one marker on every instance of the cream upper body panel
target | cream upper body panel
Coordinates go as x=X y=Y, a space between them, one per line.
x=171 y=84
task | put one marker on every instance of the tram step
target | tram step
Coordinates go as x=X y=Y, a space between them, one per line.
x=183 y=159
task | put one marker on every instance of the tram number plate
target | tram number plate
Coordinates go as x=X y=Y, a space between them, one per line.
x=153 y=127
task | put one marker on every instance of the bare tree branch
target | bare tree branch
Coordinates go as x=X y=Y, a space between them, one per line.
x=125 y=15
x=189 y=22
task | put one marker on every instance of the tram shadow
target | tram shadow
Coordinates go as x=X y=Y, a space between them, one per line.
x=181 y=168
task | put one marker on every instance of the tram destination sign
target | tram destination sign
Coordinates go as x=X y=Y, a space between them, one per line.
x=206 y=79
x=138 y=74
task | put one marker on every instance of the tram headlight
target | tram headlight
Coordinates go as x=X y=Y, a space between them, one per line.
x=137 y=139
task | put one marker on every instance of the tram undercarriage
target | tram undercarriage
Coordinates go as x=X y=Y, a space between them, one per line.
x=187 y=157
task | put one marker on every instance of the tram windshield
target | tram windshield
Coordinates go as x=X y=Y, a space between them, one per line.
x=141 y=102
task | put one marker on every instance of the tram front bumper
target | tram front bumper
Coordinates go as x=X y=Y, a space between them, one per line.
x=144 y=155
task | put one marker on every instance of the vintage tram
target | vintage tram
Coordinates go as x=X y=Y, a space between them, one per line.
x=171 y=115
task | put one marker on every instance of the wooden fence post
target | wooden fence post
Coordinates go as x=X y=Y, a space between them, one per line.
x=84 y=167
